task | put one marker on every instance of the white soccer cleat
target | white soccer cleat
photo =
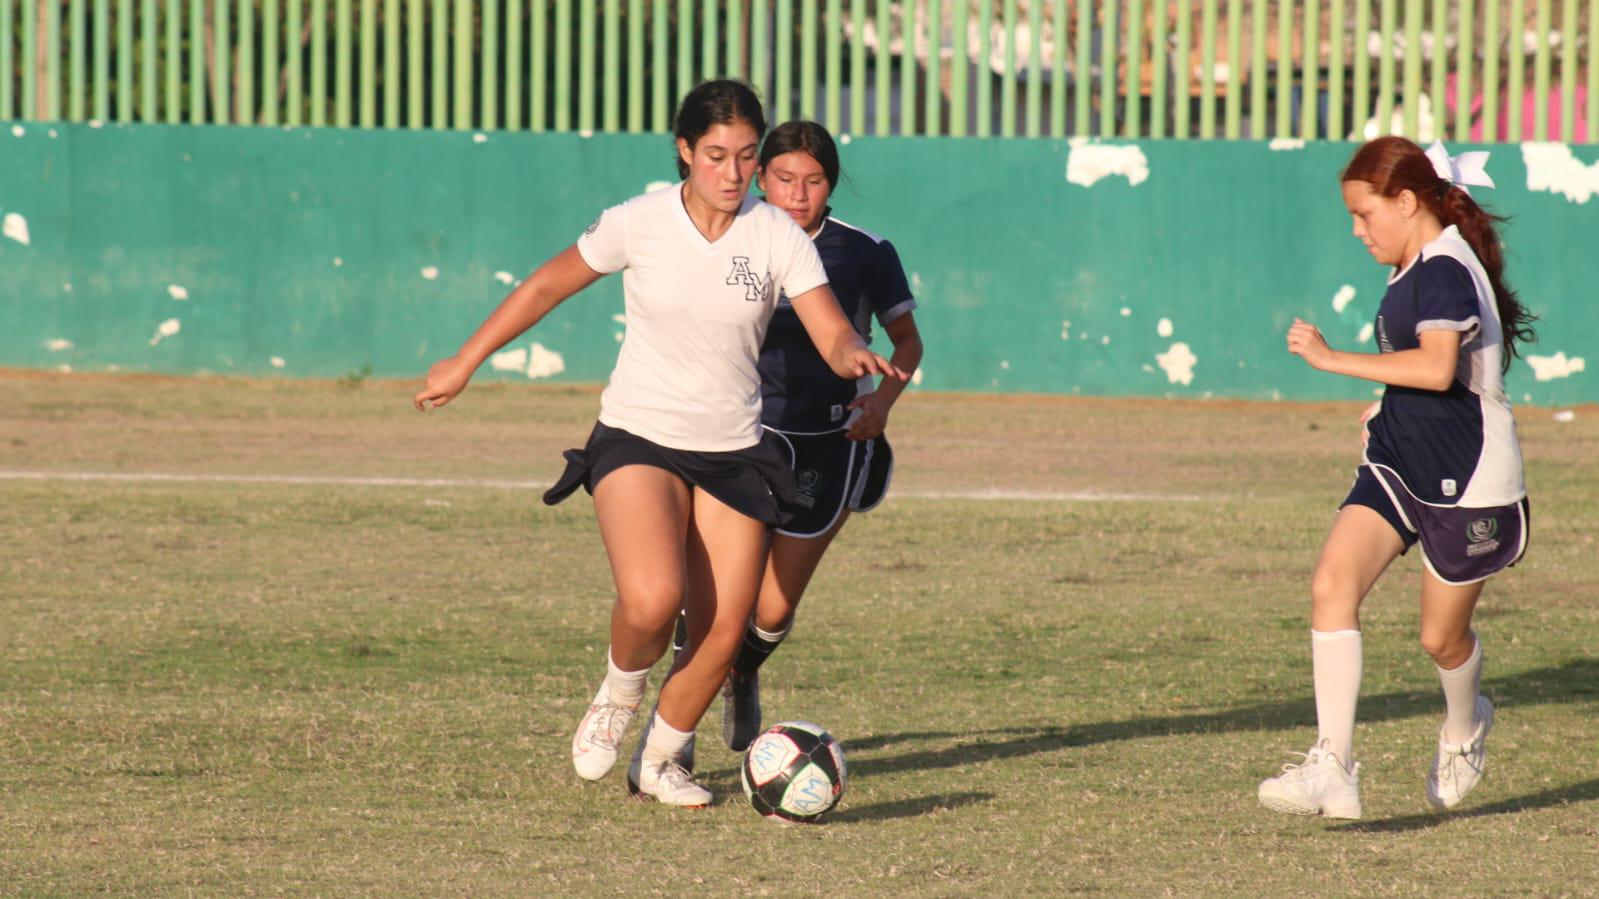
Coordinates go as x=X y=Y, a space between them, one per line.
x=594 y=744
x=666 y=782
x=1458 y=766
x=1319 y=786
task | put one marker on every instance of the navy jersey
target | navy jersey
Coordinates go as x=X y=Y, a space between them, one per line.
x=1454 y=447
x=799 y=392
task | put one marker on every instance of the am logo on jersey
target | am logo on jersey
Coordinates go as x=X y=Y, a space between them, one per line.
x=756 y=288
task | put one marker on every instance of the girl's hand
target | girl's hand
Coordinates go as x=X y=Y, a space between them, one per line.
x=1306 y=342
x=860 y=362
x=871 y=416
x=445 y=379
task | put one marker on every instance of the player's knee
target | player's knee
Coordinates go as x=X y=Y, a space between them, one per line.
x=649 y=605
x=1444 y=646
x=1332 y=591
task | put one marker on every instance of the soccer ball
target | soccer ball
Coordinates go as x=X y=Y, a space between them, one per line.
x=794 y=771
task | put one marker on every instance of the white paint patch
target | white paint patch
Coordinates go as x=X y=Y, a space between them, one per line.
x=178 y=292
x=844 y=139
x=18 y=131
x=1005 y=364
x=916 y=377
x=53 y=136
x=1147 y=367
x=338 y=262
x=66 y=286
x=1343 y=298
x=59 y=345
x=166 y=329
x=1104 y=341
x=480 y=138
x=1548 y=368
x=16 y=228
x=1553 y=168
x=277 y=362
x=1178 y=363
x=431 y=273
x=505 y=277
x=64 y=368
x=1566 y=415
x=1286 y=143
x=916 y=282
x=95 y=123
x=1163 y=327
x=535 y=362
x=1066 y=330
x=1126 y=312
x=620 y=319
x=1366 y=331
x=1088 y=163
x=657 y=185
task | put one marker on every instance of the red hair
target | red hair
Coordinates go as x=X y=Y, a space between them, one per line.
x=1392 y=165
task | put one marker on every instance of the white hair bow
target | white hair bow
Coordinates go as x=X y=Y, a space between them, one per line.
x=1467 y=169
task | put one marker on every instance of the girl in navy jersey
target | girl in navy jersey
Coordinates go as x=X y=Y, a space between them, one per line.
x=685 y=485
x=832 y=426
x=1441 y=466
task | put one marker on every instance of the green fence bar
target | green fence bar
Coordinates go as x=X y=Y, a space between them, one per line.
x=438 y=110
x=1491 y=44
x=1285 y=69
x=735 y=39
x=933 y=115
x=319 y=63
x=415 y=13
x=30 y=53
x=1360 y=93
x=907 y=70
x=585 y=66
x=1234 y=123
x=1438 y=74
x=709 y=66
x=1385 y=67
x=857 y=65
x=293 y=79
x=125 y=58
x=635 y=68
x=367 y=110
x=1007 y=78
x=1540 y=75
x=1515 y=69
x=1568 y=70
x=50 y=37
x=883 y=66
x=461 y=57
x=244 y=113
x=1207 y=72
x=7 y=66
x=611 y=67
x=1465 y=57
x=1109 y=71
x=1335 y=73
x=489 y=65
x=834 y=44
x=1035 y=72
x=1183 y=64
x=562 y=36
x=101 y=63
x=960 y=64
x=685 y=47
x=76 y=69
x=344 y=64
x=269 y=61
x=221 y=99
x=1412 y=88
x=1159 y=61
x=660 y=95
x=1134 y=102
x=391 y=63
x=197 y=73
x=1057 y=69
x=808 y=41
x=783 y=59
x=1310 y=71
x=983 y=89
x=513 y=65
x=1258 y=72
x=761 y=50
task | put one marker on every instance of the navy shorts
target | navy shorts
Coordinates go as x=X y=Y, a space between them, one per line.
x=833 y=473
x=1459 y=545
x=756 y=481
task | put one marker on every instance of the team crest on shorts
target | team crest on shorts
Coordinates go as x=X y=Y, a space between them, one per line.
x=1481 y=536
x=757 y=288
x=807 y=481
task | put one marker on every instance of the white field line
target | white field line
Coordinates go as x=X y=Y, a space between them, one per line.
x=495 y=484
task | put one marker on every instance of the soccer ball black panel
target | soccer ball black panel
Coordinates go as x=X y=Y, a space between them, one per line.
x=794 y=771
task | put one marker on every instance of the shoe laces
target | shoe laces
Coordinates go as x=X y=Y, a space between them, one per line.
x=1311 y=762
x=605 y=730
x=672 y=776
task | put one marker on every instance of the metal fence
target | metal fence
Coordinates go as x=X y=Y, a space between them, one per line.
x=1467 y=69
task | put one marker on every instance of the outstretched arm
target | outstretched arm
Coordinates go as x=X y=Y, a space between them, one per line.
x=874 y=406
x=841 y=347
x=546 y=288
x=1430 y=366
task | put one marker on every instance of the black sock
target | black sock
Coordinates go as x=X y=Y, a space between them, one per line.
x=753 y=652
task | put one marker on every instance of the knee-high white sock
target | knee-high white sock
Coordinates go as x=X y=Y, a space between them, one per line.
x=1336 y=662
x=1461 y=686
x=624 y=687
x=663 y=741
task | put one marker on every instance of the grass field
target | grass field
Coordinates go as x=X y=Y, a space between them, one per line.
x=293 y=677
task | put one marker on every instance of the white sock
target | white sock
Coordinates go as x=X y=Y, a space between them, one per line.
x=1336 y=662
x=664 y=742
x=772 y=636
x=1461 y=686
x=624 y=687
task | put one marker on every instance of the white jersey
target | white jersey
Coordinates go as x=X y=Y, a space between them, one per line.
x=697 y=312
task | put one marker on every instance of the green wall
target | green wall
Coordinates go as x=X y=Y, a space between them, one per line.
x=305 y=253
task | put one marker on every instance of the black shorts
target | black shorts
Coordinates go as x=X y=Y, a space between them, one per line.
x=755 y=481
x=1459 y=545
x=834 y=473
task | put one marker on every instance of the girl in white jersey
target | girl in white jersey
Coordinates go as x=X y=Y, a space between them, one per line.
x=684 y=486
x=1441 y=466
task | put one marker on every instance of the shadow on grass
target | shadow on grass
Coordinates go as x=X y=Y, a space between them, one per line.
x=1574 y=681
x=907 y=808
x=1587 y=791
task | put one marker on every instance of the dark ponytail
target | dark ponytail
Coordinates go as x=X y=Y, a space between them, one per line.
x=1392 y=165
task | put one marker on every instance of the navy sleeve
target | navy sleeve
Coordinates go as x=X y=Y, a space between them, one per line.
x=888 y=291
x=1446 y=297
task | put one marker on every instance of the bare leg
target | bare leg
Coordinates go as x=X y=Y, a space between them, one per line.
x=643 y=513
x=789 y=567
